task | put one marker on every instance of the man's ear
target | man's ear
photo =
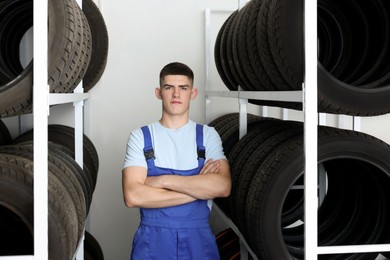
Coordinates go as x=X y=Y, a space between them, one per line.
x=157 y=92
x=194 y=93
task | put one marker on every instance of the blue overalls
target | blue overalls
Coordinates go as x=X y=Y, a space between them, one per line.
x=177 y=232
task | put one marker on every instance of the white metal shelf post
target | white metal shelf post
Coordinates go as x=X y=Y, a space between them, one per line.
x=312 y=249
x=310 y=129
x=41 y=110
x=79 y=131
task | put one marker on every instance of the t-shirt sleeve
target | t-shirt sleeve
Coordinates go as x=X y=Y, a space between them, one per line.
x=213 y=144
x=134 y=150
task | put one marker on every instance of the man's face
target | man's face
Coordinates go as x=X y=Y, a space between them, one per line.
x=176 y=94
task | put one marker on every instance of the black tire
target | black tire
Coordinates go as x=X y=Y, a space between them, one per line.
x=64 y=135
x=68 y=52
x=92 y=249
x=334 y=53
x=241 y=52
x=244 y=176
x=223 y=123
x=16 y=211
x=234 y=158
x=260 y=56
x=100 y=44
x=16 y=95
x=378 y=44
x=359 y=86
x=82 y=176
x=63 y=173
x=65 y=155
x=234 y=59
x=60 y=169
x=233 y=84
x=82 y=61
x=338 y=97
x=285 y=36
x=264 y=49
x=220 y=121
x=227 y=127
x=5 y=135
x=14 y=22
x=230 y=134
x=364 y=211
x=16 y=178
x=67 y=45
x=16 y=82
x=281 y=170
x=226 y=124
x=217 y=56
x=254 y=56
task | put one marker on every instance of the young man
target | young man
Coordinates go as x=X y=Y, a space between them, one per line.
x=172 y=168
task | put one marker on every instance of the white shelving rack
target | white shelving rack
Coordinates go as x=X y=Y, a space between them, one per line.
x=40 y=121
x=242 y=97
x=308 y=97
x=42 y=100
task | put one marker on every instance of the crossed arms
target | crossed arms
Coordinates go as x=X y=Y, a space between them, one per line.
x=171 y=190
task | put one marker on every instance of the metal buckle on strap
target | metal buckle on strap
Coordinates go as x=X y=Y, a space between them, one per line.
x=149 y=154
x=201 y=153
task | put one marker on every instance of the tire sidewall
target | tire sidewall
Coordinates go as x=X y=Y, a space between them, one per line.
x=360 y=147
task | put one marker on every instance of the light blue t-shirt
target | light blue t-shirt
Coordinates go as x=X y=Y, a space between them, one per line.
x=173 y=148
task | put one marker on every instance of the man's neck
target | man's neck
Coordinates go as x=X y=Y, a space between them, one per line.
x=173 y=122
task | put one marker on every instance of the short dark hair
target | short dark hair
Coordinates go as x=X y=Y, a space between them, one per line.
x=176 y=68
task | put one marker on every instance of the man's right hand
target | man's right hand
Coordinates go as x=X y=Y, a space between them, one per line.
x=210 y=166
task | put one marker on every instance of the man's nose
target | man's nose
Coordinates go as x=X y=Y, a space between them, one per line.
x=176 y=92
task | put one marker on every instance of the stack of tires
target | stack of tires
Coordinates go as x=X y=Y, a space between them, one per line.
x=266 y=201
x=260 y=47
x=77 y=50
x=70 y=192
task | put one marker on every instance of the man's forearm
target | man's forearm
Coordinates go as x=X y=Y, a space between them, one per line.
x=207 y=186
x=202 y=186
x=151 y=197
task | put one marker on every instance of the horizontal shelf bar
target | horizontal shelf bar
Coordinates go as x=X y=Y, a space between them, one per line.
x=289 y=96
x=62 y=98
x=24 y=257
x=229 y=94
x=353 y=249
x=220 y=10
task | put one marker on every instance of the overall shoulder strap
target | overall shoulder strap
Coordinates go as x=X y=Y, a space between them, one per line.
x=201 y=150
x=148 y=147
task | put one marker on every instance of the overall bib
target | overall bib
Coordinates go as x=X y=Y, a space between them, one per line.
x=177 y=232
